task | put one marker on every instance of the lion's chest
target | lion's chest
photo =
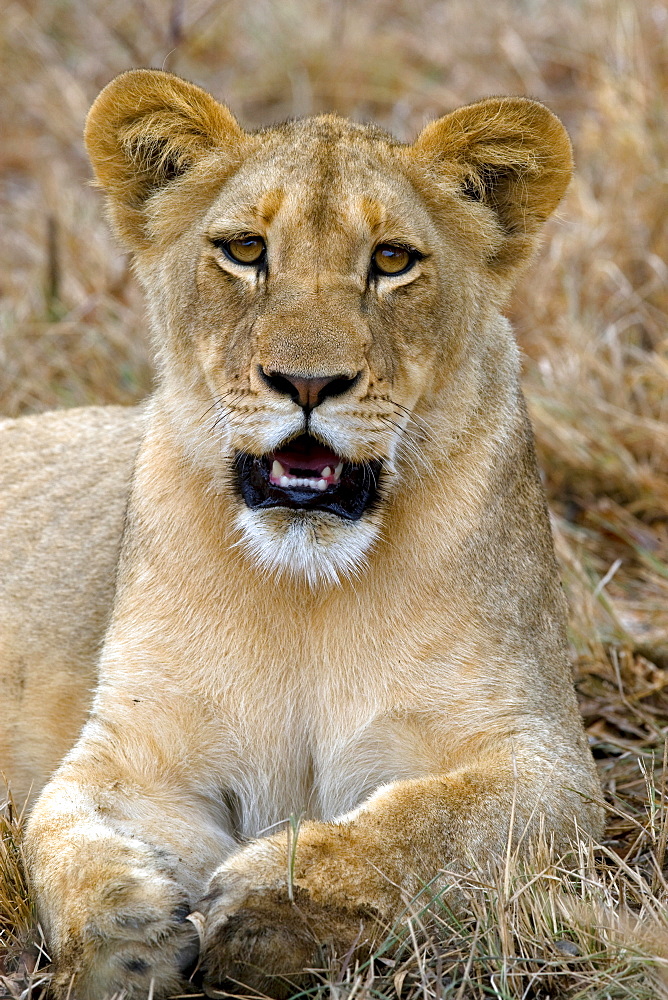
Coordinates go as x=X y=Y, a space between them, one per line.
x=284 y=758
x=307 y=714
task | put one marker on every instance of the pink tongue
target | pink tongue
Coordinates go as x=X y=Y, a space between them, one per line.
x=315 y=458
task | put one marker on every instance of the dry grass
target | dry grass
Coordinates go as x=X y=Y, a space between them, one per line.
x=591 y=318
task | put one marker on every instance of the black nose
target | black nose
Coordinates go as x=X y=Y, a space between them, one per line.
x=308 y=392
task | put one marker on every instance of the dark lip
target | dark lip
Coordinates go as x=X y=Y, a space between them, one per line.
x=356 y=492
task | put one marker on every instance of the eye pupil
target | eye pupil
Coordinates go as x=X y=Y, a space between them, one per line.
x=244 y=250
x=388 y=259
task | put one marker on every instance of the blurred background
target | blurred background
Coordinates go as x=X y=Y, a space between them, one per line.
x=591 y=314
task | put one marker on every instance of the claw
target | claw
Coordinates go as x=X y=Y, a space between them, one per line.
x=197 y=920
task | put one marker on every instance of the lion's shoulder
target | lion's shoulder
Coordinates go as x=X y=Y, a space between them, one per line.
x=67 y=468
x=64 y=481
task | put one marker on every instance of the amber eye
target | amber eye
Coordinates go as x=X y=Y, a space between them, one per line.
x=244 y=250
x=389 y=259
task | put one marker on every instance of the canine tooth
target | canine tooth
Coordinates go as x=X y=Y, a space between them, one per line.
x=321 y=484
x=277 y=470
x=338 y=470
x=284 y=481
x=326 y=472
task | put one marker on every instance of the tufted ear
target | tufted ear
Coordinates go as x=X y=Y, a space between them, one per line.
x=146 y=130
x=510 y=154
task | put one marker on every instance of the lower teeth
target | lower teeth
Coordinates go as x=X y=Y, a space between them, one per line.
x=310 y=484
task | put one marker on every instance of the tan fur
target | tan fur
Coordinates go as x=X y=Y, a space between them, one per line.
x=399 y=683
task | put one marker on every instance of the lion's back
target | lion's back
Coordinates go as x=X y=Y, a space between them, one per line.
x=64 y=480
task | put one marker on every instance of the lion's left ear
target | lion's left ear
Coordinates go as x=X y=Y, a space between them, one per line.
x=148 y=129
x=510 y=154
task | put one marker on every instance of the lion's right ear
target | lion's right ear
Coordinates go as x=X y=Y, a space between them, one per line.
x=509 y=154
x=147 y=129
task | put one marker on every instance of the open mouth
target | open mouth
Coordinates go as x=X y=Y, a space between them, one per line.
x=306 y=475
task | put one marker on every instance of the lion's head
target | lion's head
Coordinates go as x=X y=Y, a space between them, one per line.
x=325 y=299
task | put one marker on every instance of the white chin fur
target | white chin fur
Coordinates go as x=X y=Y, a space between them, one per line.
x=313 y=546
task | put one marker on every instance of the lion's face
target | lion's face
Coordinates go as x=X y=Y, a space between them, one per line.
x=317 y=274
x=317 y=290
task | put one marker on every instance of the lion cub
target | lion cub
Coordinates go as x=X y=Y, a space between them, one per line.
x=313 y=578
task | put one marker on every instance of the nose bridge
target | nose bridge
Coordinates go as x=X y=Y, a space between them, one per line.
x=312 y=335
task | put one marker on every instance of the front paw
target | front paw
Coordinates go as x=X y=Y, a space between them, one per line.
x=261 y=939
x=117 y=925
x=144 y=954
